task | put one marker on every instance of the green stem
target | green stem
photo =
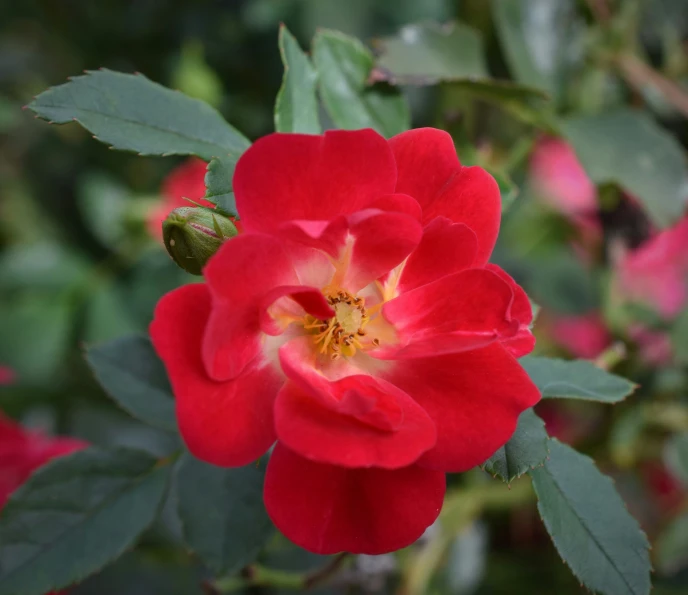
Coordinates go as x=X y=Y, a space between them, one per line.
x=258 y=575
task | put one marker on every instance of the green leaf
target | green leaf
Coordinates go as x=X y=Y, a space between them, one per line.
x=525 y=103
x=526 y=449
x=676 y=456
x=132 y=374
x=627 y=147
x=534 y=40
x=222 y=512
x=671 y=547
x=589 y=524
x=131 y=113
x=343 y=66
x=296 y=107
x=427 y=53
x=75 y=515
x=575 y=379
x=218 y=183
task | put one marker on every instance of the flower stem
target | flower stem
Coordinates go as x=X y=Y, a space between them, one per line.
x=257 y=575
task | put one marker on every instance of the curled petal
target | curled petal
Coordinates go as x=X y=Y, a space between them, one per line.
x=465 y=310
x=284 y=177
x=327 y=509
x=360 y=426
x=523 y=342
x=474 y=398
x=226 y=423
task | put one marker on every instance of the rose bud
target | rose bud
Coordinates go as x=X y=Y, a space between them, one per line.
x=193 y=234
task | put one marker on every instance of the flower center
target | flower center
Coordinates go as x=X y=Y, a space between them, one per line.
x=344 y=333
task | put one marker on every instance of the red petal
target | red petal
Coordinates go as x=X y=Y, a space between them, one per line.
x=524 y=341
x=461 y=311
x=474 y=398
x=327 y=509
x=360 y=422
x=429 y=170
x=224 y=423
x=337 y=415
x=446 y=248
x=239 y=277
x=282 y=177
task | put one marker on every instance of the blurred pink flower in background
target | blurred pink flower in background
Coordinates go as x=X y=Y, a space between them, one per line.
x=656 y=273
x=584 y=336
x=185 y=181
x=559 y=179
x=654 y=347
x=7 y=375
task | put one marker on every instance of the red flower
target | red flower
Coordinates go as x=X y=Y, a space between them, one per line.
x=559 y=179
x=185 y=181
x=357 y=323
x=585 y=336
x=656 y=273
x=22 y=452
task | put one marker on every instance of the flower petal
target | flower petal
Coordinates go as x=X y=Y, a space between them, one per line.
x=474 y=398
x=465 y=310
x=524 y=341
x=445 y=248
x=361 y=438
x=429 y=170
x=327 y=509
x=282 y=177
x=239 y=277
x=224 y=423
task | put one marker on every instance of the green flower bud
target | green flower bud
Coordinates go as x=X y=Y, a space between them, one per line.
x=193 y=234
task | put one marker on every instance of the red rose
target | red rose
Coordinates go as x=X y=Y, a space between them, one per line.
x=357 y=323
x=185 y=181
x=22 y=452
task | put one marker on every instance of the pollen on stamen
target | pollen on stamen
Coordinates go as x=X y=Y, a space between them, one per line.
x=341 y=335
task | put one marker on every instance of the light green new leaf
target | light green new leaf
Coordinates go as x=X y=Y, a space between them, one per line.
x=75 y=515
x=296 y=107
x=132 y=113
x=629 y=148
x=222 y=512
x=576 y=379
x=344 y=66
x=218 y=183
x=526 y=449
x=589 y=524
x=132 y=374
